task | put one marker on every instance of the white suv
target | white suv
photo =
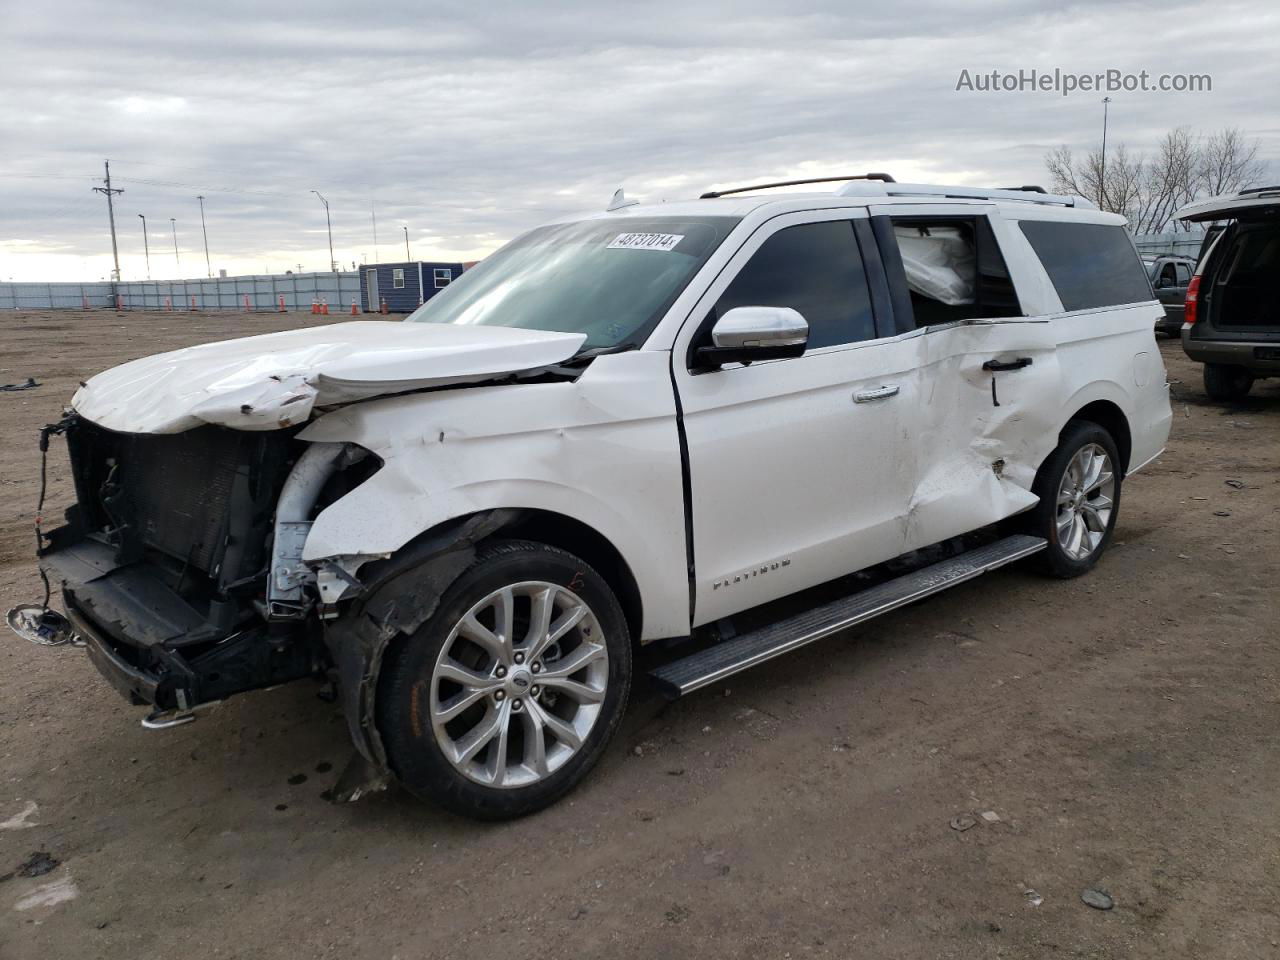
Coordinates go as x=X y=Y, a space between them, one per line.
x=624 y=428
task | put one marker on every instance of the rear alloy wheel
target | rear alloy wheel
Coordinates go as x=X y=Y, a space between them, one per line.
x=1079 y=490
x=1225 y=382
x=507 y=696
x=1086 y=498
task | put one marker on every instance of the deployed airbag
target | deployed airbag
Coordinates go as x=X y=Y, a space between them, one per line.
x=939 y=263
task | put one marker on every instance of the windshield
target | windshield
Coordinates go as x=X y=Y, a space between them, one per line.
x=610 y=279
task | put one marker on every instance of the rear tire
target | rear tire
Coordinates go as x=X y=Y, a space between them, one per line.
x=507 y=696
x=1225 y=382
x=1079 y=490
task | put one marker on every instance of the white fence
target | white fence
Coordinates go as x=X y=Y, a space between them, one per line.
x=220 y=293
x=1185 y=244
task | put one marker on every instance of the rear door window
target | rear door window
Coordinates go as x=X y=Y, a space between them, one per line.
x=952 y=269
x=1091 y=265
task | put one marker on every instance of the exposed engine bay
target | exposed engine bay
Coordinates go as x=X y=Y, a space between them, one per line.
x=166 y=559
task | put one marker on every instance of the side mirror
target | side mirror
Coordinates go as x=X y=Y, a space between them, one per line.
x=745 y=334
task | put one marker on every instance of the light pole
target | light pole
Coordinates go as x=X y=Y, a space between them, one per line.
x=1102 y=176
x=146 y=248
x=173 y=224
x=333 y=264
x=407 y=255
x=207 y=265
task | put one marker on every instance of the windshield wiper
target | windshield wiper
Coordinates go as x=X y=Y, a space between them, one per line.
x=602 y=351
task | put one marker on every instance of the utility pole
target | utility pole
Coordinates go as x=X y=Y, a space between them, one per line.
x=407 y=255
x=111 y=215
x=176 y=259
x=208 y=266
x=146 y=248
x=1102 y=177
x=333 y=264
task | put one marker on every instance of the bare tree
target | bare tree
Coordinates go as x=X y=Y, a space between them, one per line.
x=1148 y=191
x=1085 y=178
x=1228 y=162
x=1062 y=173
x=1168 y=181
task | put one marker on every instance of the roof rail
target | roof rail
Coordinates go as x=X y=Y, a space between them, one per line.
x=1248 y=190
x=1024 y=194
x=712 y=194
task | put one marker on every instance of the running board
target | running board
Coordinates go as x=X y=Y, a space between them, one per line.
x=706 y=667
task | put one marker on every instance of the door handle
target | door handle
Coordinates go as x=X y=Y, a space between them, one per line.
x=994 y=365
x=880 y=393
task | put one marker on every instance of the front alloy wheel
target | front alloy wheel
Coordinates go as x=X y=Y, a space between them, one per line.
x=508 y=694
x=518 y=684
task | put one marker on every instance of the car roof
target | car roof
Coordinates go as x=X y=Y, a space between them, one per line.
x=766 y=204
x=1227 y=206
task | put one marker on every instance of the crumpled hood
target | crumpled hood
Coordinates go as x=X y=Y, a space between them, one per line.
x=274 y=380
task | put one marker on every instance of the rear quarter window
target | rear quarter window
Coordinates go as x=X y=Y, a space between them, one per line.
x=1090 y=264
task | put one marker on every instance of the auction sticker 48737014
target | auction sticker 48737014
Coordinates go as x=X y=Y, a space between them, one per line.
x=665 y=242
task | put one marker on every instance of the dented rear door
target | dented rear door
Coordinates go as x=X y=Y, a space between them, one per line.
x=990 y=402
x=990 y=389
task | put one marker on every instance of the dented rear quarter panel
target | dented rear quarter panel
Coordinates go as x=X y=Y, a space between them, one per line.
x=603 y=450
x=1105 y=353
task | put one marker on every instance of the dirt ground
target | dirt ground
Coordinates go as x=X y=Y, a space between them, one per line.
x=1120 y=728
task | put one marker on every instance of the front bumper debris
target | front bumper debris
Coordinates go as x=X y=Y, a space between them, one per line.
x=134 y=684
x=153 y=646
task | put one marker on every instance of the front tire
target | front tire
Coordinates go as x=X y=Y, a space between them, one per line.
x=1225 y=382
x=1079 y=489
x=507 y=696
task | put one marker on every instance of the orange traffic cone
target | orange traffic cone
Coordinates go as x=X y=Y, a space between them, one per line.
x=383 y=308
x=281 y=310
x=247 y=308
x=324 y=306
x=354 y=311
x=193 y=302
x=315 y=305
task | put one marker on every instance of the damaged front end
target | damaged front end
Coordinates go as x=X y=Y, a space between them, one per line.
x=180 y=562
x=396 y=596
x=188 y=566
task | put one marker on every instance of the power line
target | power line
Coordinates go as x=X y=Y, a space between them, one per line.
x=195 y=186
x=44 y=176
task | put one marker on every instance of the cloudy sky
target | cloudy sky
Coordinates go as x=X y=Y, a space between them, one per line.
x=469 y=123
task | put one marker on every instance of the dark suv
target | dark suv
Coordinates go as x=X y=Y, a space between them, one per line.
x=1170 y=275
x=1233 y=302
